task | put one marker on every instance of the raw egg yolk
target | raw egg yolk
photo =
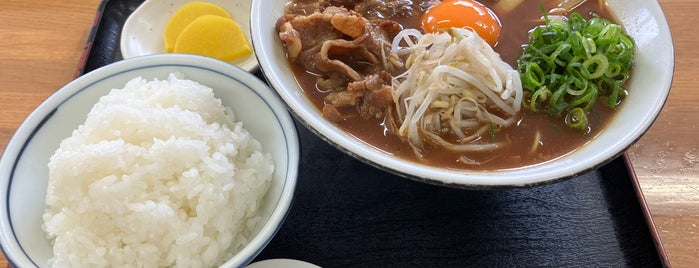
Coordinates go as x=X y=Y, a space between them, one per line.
x=463 y=14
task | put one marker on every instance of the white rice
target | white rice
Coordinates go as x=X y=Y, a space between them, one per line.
x=160 y=174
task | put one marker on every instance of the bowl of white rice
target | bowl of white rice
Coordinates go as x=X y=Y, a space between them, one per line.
x=162 y=160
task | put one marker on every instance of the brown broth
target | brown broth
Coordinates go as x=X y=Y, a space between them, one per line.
x=556 y=139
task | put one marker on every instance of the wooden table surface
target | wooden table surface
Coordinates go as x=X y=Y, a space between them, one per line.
x=41 y=43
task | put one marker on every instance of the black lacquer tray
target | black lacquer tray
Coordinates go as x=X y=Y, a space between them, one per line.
x=349 y=214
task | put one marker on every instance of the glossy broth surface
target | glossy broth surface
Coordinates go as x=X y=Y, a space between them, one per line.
x=556 y=139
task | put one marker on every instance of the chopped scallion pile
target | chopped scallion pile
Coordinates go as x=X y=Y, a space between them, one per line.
x=571 y=62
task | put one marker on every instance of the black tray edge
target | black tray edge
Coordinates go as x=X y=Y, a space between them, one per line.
x=646 y=212
x=94 y=29
x=87 y=49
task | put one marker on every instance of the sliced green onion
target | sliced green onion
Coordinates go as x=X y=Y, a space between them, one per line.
x=613 y=99
x=577 y=119
x=570 y=63
x=598 y=64
x=589 y=46
x=587 y=97
x=539 y=96
x=534 y=76
x=613 y=70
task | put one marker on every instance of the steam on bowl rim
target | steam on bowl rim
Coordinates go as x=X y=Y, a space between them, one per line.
x=650 y=85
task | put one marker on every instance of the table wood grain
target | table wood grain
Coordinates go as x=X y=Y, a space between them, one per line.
x=41 y=43
x=666 y=158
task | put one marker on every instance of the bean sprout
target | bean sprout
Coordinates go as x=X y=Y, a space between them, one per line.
x=455 y=85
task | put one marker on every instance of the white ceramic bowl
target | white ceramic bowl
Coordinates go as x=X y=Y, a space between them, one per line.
x=649 y=88
x=24 y=170
x=142 y=33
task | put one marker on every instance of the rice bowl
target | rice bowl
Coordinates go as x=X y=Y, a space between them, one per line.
x=24 y=164
x=172 y=180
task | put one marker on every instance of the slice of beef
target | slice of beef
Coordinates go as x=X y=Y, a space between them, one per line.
x=380 y=9
x=349 y=53
x=331 y=50
x=306 y=32
x=371 y=82
x=331 y=83
x=371 y=96
x=305 y=7
x=376 y=94
x=377 y=39
x=331 y=113
x=347 y=21
x=374 y=102
x=339 y=41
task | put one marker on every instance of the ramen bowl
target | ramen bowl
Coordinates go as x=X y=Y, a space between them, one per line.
x=649 y=86
x=24 y=163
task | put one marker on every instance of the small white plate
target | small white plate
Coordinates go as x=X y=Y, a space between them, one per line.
x=142 y=33
x=285 y=263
